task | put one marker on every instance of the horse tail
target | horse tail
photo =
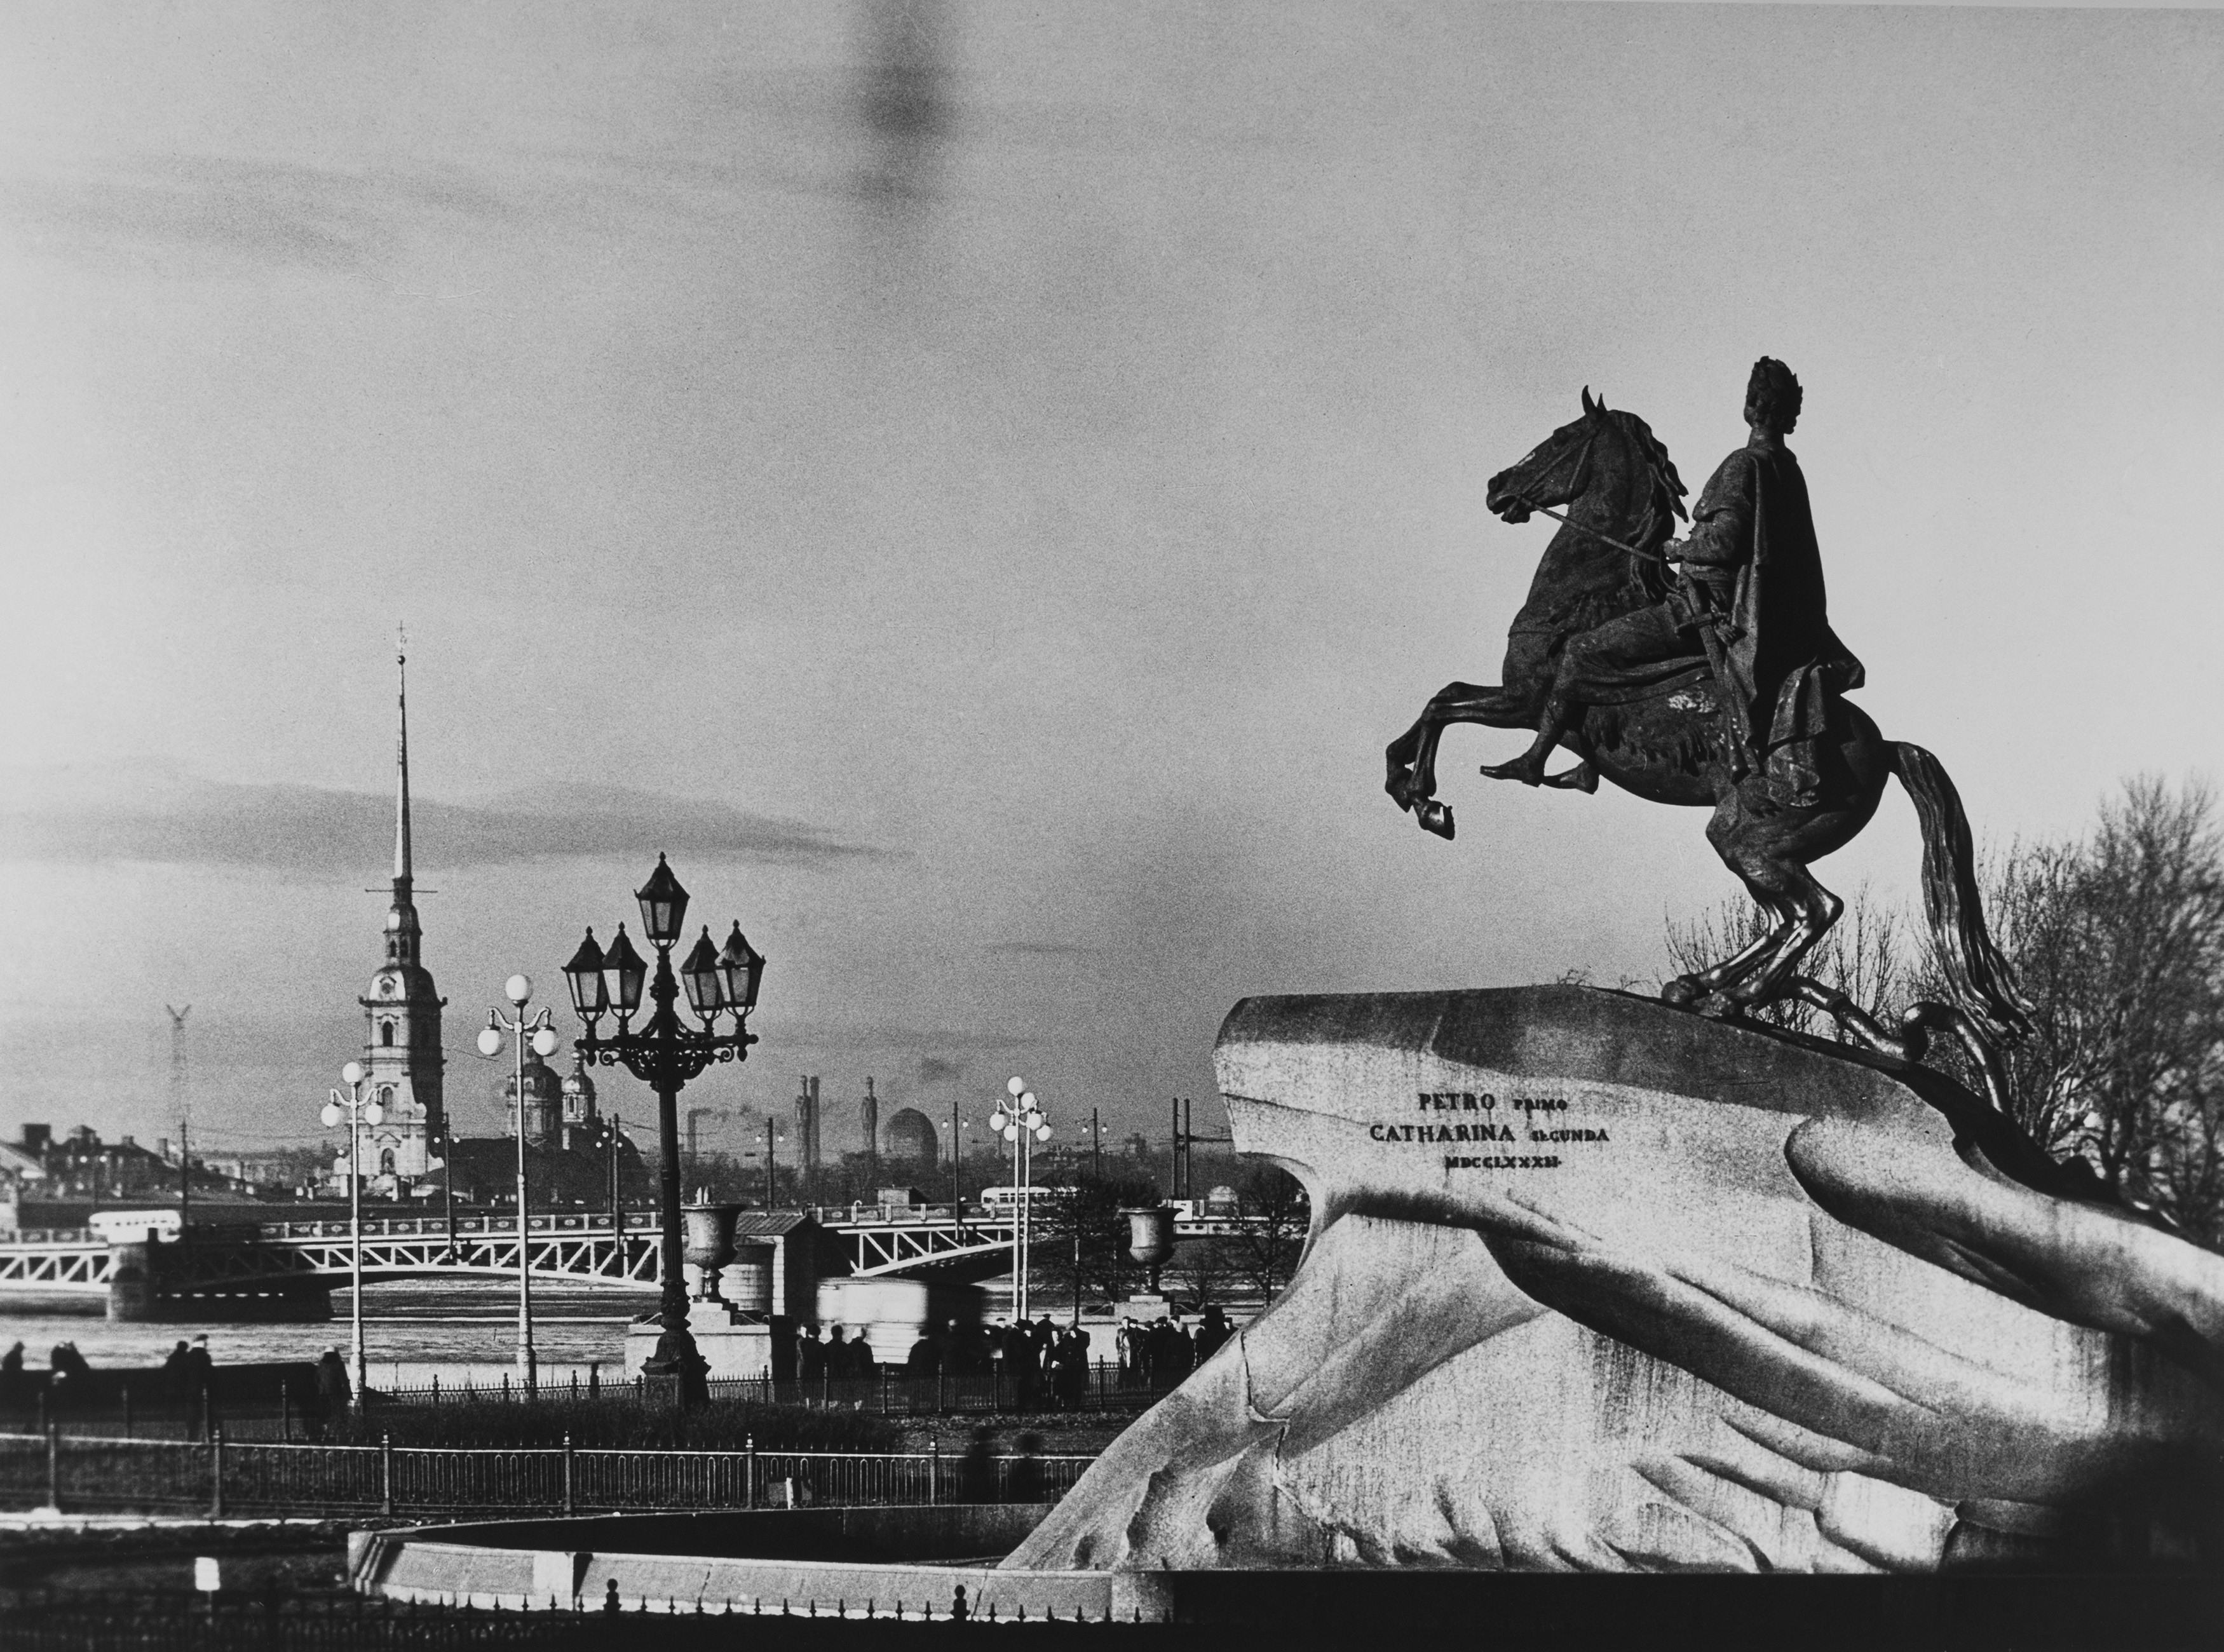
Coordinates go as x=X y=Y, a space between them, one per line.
x=1979 y=979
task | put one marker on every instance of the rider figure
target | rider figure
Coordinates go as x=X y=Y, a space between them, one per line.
x=1749 y=603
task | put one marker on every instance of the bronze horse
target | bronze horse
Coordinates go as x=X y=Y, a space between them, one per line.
x=1669 y=744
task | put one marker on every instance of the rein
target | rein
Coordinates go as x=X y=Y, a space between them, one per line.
x=1582 y=471
x=1603 y=539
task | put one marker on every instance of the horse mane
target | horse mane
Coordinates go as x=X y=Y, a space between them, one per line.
x=1666 y=504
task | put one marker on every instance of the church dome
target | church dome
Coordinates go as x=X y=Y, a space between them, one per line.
x=544 y=1100
x=578 y=1092
x=910 y=1135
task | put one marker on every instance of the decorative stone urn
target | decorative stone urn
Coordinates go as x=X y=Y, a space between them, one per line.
x=709 y=1229
x=1151 y=1238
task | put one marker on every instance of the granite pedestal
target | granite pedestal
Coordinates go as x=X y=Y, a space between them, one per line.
x=1596 y=1284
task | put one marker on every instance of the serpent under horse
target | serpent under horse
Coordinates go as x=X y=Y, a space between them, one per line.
x=1668 y=744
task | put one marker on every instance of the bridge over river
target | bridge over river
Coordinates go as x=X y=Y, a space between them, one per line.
x=288 y=1270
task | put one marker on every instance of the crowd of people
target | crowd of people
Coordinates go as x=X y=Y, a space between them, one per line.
x=187 y=1379
x=69 y=1376
x=1047 y=1365
x=1157 y=1354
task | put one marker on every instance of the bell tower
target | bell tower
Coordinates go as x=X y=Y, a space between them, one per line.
x=401 y=1049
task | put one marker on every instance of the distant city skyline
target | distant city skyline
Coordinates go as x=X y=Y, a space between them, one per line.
x=979 y=485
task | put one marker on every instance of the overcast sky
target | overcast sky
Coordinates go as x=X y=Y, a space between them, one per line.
x=980 y=484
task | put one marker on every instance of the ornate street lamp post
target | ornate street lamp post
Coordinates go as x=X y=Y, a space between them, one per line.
x=535 y=1028
x=1021 y=1127
x=358 y=1110
x=665 y=1053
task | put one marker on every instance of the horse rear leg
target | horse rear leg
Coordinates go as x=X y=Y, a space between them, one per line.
x=1812 y=909
x=1701 y=984
x=1760 y=849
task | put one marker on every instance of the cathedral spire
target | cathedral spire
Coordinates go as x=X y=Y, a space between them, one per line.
x=402 y=875
x=403 y=1009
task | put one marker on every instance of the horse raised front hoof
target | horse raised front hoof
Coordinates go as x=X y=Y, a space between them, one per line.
x=1435 y=816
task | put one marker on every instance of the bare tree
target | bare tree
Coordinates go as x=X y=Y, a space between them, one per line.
x=1864 y=955
x=1208 y=1268
x=1081 y=1242
x=1276 y=1215
x=2118 y=941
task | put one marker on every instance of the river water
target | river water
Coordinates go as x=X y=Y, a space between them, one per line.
x=460 y=1330
x=463 y=1331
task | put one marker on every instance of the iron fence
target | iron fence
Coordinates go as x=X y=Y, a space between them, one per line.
x=169 y=1621
x=221 y=1476
x=1107 y=1387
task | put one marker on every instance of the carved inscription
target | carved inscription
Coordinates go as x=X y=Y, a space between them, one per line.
x=1517 y=1121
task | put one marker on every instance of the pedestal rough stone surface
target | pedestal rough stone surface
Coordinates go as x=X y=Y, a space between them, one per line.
x=1594 y=1284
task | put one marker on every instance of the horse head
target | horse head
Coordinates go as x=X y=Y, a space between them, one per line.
x=1554 y=472
x=1613 y=453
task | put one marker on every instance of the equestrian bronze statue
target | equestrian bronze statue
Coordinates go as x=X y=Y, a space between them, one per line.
x=1703 y=671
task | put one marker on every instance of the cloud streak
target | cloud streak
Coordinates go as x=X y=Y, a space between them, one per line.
x=266 y=212
x=109 y=815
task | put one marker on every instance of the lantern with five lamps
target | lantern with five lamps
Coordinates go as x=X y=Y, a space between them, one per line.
x=665 y=1053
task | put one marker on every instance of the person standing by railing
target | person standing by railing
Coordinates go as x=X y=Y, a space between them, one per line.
x=1026 y=1484
x=1023 y=1366
x=976 y=1475
x=199 y=1368
x=333 y=1392
x=1211 y=1332
x=1069 y=1370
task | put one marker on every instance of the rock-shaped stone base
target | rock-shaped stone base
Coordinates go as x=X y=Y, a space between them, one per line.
x=1595 y=1283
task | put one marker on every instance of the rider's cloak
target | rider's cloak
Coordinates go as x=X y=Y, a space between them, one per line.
x=1752 y=545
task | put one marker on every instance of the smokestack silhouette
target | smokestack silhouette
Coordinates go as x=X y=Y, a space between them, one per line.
x=868 y=1121
x=806 y=1135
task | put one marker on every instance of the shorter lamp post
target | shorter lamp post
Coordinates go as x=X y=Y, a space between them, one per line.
x=1021 y=1127
x=771 y=1135
x=665 y=1054
x=534 y=1028
x=358 y=1110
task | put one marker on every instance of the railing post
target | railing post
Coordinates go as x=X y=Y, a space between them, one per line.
x=54 y=1466
x=933 y=1469
x=570 y=1505
x=127 y=1410
x=385 y=1473
x=749 y=1471
x=216 y=1472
